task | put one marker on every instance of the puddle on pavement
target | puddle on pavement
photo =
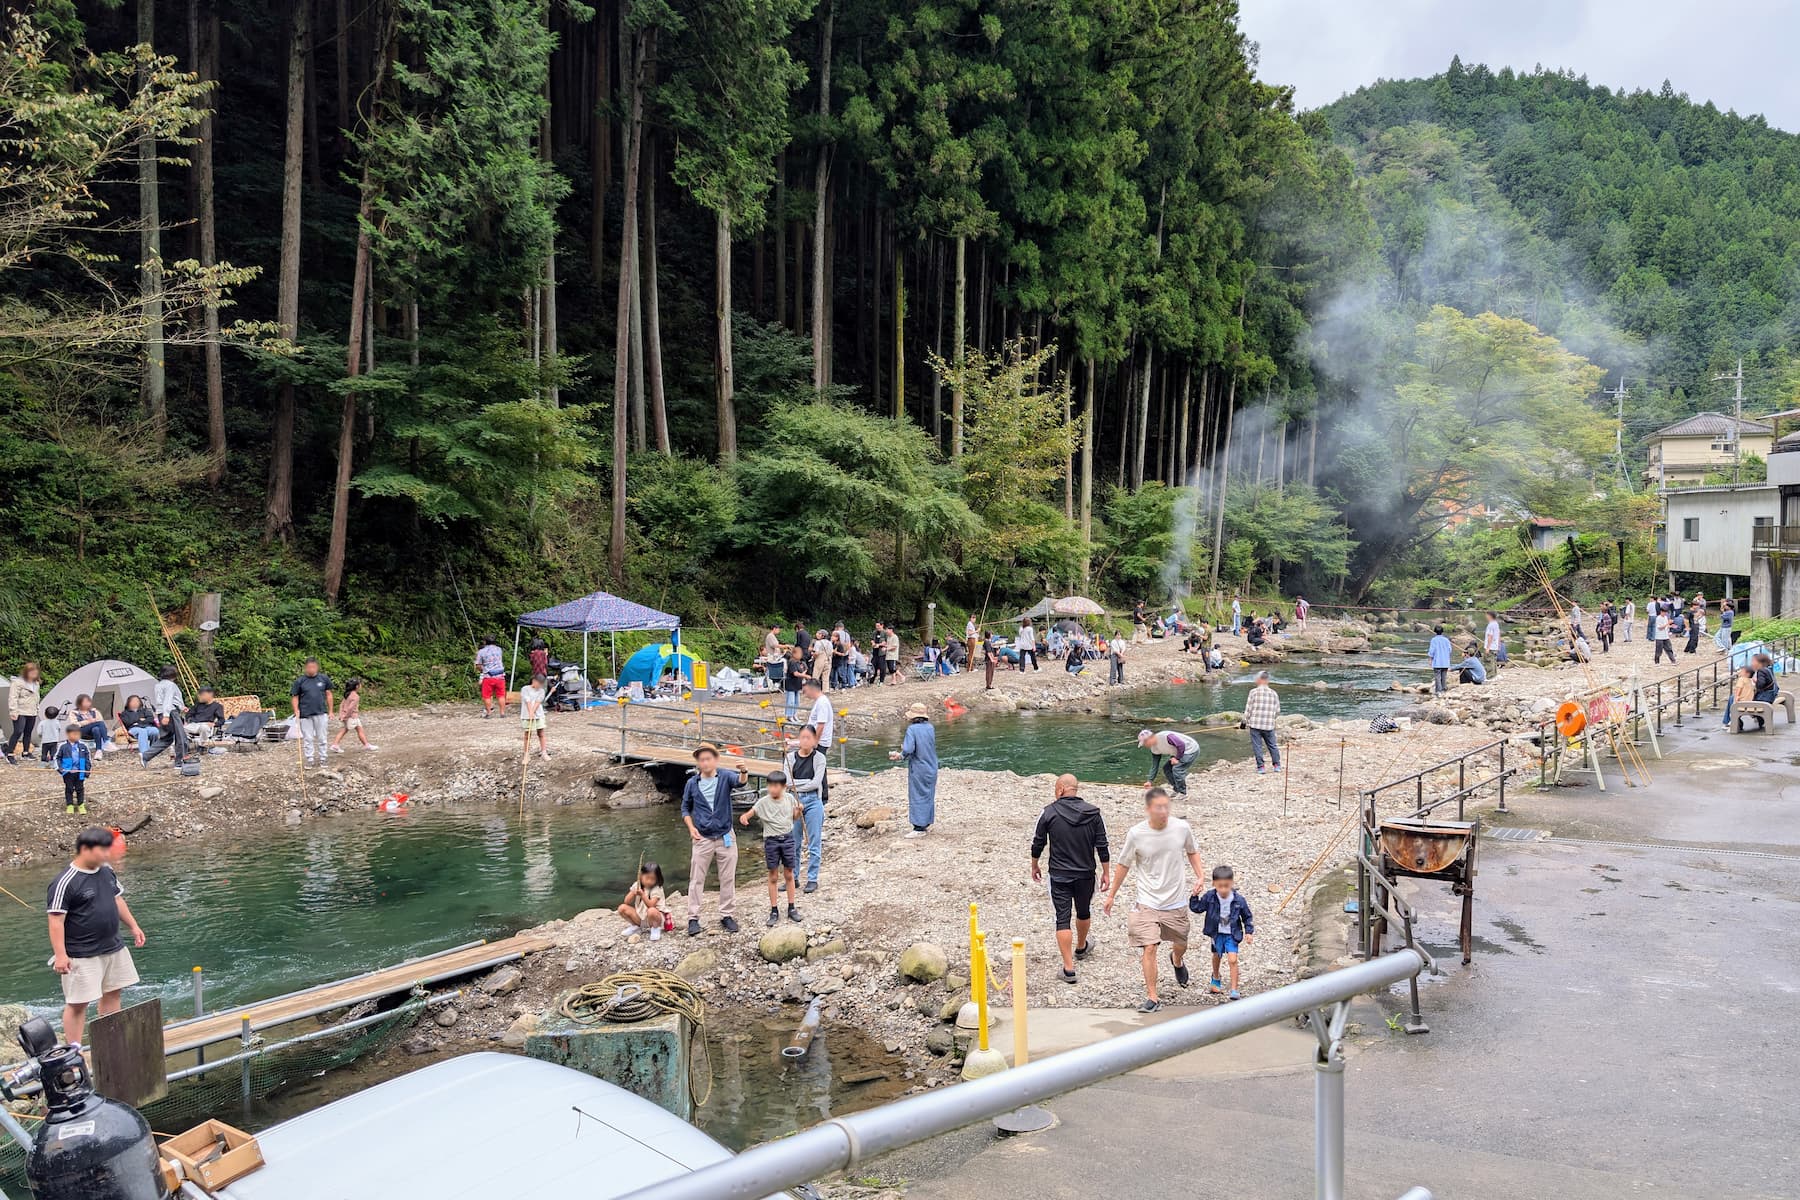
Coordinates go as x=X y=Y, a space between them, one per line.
x=1516 y=934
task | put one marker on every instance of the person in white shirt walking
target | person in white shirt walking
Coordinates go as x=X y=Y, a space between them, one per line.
x=1630 y=618
x=1027 y=644
x=1659 y=636
x=1156 y=847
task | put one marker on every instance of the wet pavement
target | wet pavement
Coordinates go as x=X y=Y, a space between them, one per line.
x=1627 y=1028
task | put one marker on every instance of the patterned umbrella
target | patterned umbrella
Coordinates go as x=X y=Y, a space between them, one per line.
x=1076 y=606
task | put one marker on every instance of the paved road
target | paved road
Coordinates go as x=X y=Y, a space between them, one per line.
x=1628 y=1028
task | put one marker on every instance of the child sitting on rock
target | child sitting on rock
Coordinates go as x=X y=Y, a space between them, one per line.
x=781 y=853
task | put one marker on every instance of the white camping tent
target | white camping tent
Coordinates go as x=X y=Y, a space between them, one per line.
x=109 y=681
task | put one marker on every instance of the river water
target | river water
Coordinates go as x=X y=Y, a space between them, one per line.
x=1103 y=747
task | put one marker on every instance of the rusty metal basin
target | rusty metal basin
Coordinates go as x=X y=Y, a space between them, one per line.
x=1426 y=846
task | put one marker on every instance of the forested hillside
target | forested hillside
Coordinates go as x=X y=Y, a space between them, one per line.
x=1593 y=213
x=747 y=308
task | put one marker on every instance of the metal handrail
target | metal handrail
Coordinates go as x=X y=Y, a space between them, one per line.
x=843 y=1142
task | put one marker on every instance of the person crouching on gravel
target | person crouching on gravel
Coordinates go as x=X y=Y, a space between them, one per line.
x=1227 y=924
x=778 y=812
x=643 y=906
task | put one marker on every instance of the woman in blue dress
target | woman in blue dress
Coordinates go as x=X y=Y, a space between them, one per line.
x=919 y=750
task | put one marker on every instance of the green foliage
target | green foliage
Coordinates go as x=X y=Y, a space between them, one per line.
x=1485 y=407
x=1140 y=537
x=464 y=203
x=1018 y=443
x=728 y=101
x=1579 y=207
x=468 y=439
x=830 y=490
x=1292 y=525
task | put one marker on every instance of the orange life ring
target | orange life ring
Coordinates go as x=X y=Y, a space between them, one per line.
x=1570 y=719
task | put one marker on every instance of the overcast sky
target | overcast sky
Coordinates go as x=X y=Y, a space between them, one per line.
x=1737 y=53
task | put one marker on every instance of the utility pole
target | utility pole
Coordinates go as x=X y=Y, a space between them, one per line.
x=1618 y=394
x=1737 y=428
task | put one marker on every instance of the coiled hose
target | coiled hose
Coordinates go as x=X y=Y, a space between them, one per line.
x=631 y=996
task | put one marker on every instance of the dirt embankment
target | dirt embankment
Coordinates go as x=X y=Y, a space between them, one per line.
x=439 y=754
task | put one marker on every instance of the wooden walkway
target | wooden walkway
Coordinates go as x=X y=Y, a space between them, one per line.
x=227 y=1025
x=743 y=764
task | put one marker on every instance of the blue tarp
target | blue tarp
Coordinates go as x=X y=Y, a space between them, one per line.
x=599 y=612
x=647 y=665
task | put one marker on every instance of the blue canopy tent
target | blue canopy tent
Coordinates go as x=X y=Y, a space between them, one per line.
x=597 y=612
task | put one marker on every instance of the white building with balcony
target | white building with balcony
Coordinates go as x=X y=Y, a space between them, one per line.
x=1713 y=530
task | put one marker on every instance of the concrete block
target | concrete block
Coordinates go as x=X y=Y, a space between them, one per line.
x=647 y=1058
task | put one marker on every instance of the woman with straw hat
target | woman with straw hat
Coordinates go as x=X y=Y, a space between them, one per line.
x=919 y=750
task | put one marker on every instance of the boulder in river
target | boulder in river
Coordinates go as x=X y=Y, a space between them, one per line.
x=924 y=962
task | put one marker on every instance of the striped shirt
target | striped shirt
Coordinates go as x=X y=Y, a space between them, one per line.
x=1261 y=707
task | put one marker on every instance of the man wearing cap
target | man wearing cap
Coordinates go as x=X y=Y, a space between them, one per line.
x=804 y=766
x=1172 y=753
x=706 y=809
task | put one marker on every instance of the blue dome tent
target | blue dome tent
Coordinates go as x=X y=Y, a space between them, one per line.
x=648 y=665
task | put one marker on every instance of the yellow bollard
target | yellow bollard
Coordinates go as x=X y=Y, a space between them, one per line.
x=982 y=1060
x=1021 y=1050
x=978 y=976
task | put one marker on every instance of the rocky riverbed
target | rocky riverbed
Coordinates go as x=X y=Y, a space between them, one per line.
x=885 y=898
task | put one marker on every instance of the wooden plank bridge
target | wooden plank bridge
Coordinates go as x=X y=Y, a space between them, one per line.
x=227 y=1025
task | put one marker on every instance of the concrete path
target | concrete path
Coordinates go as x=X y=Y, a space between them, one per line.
x=1627 y=1029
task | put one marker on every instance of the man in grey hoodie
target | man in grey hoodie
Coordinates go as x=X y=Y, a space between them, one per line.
x=1075 y=834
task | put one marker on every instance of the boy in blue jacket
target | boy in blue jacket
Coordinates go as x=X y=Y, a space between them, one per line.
x=73 y=763
x=1228 y=923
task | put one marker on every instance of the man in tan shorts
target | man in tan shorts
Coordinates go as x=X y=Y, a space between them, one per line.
x=1156 y=846
x=86 y=906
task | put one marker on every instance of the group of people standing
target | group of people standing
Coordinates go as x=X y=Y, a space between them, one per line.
x=1161 y=849
x=790 y=812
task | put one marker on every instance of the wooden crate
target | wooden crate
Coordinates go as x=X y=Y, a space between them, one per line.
x=194 y=1150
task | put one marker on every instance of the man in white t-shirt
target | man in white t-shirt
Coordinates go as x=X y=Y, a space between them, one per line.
x=1156 y=847
x=818 y=714
x=1630 y=619
x=1493 y=645
x=1659 y=638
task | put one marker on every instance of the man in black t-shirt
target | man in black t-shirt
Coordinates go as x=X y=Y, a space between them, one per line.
x=86 y=905
x=312 y=711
